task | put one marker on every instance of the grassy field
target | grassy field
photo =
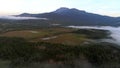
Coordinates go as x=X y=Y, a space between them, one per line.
x=68 y=38
x=42 y=47
x=53 y=35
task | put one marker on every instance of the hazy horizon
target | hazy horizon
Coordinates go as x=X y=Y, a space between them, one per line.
x=103 y=7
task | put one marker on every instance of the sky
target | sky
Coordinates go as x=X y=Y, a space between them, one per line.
x=103 y=7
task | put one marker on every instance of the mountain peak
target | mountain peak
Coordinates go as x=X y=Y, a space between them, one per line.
x=62 y=9
x=24 y=13
x=68 y=10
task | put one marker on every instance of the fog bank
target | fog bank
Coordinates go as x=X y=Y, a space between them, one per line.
x=20 y=18
x=115 y=32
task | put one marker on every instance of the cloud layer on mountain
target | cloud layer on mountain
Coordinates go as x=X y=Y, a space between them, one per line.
x=20 y=18
x=115 y=32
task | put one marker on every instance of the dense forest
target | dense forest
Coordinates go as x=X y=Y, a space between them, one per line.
x=21 y=52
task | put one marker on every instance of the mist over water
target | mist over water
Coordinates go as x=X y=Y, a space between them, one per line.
x=20 y=18
x=115 y=32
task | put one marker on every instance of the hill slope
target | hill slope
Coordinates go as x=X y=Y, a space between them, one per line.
x=66 y=16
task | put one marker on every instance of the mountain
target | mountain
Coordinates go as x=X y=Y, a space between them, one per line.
x=66 y=16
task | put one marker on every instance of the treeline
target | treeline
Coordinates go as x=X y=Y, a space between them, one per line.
x=19 y=51
x=93 y=33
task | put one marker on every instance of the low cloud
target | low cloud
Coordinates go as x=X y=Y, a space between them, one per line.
x=115 y=32
x=21 y=18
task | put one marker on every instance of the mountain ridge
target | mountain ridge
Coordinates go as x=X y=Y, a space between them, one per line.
x=61 y=8
x=73 y=16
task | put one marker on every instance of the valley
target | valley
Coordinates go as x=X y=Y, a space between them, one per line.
x=64 y=38
x=61 y=35
x=57 y=47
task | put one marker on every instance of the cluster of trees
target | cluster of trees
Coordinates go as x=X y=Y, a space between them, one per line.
x=93 y=33
x=19 y=51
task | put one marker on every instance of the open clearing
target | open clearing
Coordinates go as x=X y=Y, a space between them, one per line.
x=52 y=35
x=56 y=35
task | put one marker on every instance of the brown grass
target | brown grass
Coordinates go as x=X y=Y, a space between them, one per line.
x=63 y=35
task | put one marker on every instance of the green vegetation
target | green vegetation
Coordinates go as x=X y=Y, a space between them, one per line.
x=69 y=47
x=67 y=36
x=93 y=33
x=19 y=52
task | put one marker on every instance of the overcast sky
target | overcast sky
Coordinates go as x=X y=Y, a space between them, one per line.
x=104 y=7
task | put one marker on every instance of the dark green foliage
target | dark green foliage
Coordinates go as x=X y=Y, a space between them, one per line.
x=99 y=54
x=93 y=33
x=19 y=51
